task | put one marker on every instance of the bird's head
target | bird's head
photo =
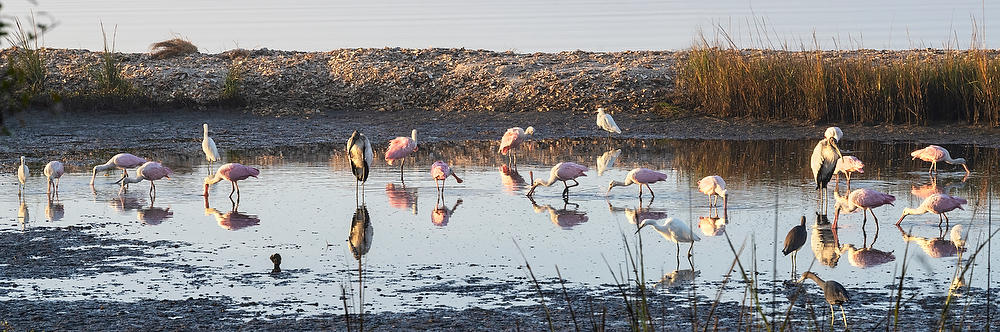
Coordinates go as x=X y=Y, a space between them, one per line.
x=600 y=110
x=613 y=184
x=530 y=131
x=807 y=274
x=413 y=135
x=644 y=223
x=205 y=125
x=835 y=133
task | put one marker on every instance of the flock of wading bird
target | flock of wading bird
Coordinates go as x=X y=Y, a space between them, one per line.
x=826 y=162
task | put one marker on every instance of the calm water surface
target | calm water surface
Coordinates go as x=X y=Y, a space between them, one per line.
x=421 y=251
x=521 y=25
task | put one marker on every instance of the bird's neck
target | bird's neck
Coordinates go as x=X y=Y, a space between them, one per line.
x=548 y=182
x=214 y=179
x=136 y=179
x=621 y=184
x=818 y=281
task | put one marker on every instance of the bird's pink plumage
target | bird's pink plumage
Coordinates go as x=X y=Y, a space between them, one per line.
x=440 y=170
x=939 y=203
x=930 y=153
x=849 y=164
x=645 y=175
x=154 y=171
x=236 y=172
x=399 y=148
x=868 y=199
x=511 y=140
x=570 y=170
x=127 y=160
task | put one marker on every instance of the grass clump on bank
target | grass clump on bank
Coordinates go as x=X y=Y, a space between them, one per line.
x=107 y=74
x=232 y=86
x=915 y=87
x=172 y=48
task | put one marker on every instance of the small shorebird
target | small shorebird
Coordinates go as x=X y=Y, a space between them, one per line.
x=399 y=149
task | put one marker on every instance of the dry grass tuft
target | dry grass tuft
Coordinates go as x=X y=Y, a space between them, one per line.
x=236 y=53
x=171 y=48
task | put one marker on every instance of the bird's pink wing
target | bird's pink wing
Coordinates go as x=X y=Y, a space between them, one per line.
x=155 y=171
x=399 y=148
x=870 y=199
x=236 y=172
x=645 y=175
x=930 y=153
x=129 y=160
x=706 y=185
x=439 y=170
x=570 y=170
x=510 y=140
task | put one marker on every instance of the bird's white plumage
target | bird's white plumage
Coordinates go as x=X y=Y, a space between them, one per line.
x=606 y=122
x=834 y=132
x=208 y=146
x=673 y=229
x=22 y=172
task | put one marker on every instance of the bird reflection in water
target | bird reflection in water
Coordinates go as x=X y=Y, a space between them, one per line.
x=441 y=213
x=677 y=278
x=824 y=242
x=565 y=217
x=125 y=202
x=635 y=215
x=232 y=220
x=361 y=232
x=23 y=217
x=607 y=161
x=154 y=215
x=866 y=257
x=924 y=191
x=401 y=197
x=512 y=181
x=939 y=247
x=54 y=211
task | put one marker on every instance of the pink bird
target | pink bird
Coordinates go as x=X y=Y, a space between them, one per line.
x=150 y=171
x=511 y=140
x=848 y=165
x=642 y=176
x=399 y=149
x=233 y=172
x=714 y=186
x=401 y=197
x=121 y=161
x=934 y=154
x=565 y=171
x=938 y=204
x=440 y=172
x=864 y=199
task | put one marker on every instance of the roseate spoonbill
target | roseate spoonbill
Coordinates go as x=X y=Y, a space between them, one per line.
x=361 y=232
x=938 y=204
x=208 y=146
x=641 y=176
x=22 y=175
x=564 y=171
x=399 y=149
x=440 y=171
x=674 y=230
x=512 y=140
x=442 y=214
x=833 y=291
x=150 y=171
x=714 y=186
x=122 y=161
x=934 y=154
x=606 y=122
x=864 y=199
x=823 y=163
x=607 y=160
x=53 y=171
x=359 y=153
x=233 y=172
x=847 y=165
x=795 y=239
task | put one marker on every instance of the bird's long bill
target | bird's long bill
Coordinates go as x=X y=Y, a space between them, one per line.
x=532 y=190
x=834 y=143
x=966 y=169
x=119 y=180
x=456 y=178
x=900 y=220
x=640 y=228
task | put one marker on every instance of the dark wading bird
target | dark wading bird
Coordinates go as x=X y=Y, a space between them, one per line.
x=794 y=241
x=359 y=153
x=833 y=291
x=276 y=259
x=824 y=161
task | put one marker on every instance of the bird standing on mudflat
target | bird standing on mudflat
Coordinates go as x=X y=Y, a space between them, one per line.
x=938 y=204
x=400 y=148
x=641 y=176
x=564 y=171
x=794 y=241
x=511 y=141
x=233 y=172
x=606 y=122
x=150 y=171
x=208 y=146
x=53 y=172
x=122 y=161
x=833 y=291
x=359 y=153
x=22 y=176
x=934 y=154
x=824 y=161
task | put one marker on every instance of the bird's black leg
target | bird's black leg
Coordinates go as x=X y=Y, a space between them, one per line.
x=232 y=191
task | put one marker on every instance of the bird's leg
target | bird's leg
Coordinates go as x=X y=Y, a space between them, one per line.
x=651 y=194
x=401 y=162
x=832 y=317
x=844 y=312
x=946 y=221
x=565 y=192
x=234 y=189
x=940 y=219
x=640 y=191
x=678 y=253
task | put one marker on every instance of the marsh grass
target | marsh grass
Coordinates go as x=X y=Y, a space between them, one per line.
x=863 y=86
x=27 y=63
x=232 y=86
x=172 y=48
x=107 y=74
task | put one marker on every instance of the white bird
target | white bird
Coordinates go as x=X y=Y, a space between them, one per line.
x=53 y=171
x=824 y=161
x=606 y=122
x=674 y=230
x=208 y=146
x=715 y=187
x=834 y=132
x=22 y=175
x=607 y=160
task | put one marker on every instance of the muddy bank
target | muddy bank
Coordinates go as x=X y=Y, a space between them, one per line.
x=85 y=139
